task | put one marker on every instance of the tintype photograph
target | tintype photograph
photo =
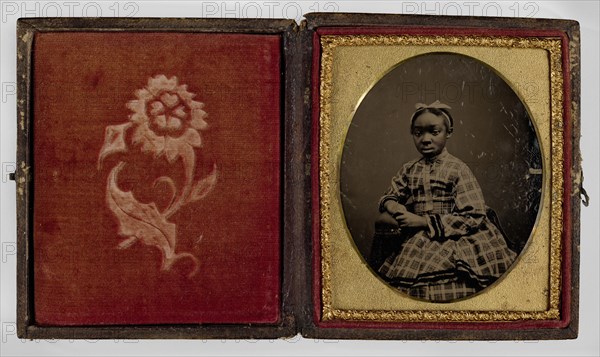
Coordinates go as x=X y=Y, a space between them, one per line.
x=441 y=177
x=441 y=172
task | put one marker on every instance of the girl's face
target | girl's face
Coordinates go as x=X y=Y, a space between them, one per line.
x=430 y=133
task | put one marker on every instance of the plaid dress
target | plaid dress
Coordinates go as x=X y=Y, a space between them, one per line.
x=461 y=251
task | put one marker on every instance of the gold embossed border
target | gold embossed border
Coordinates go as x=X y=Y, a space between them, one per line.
x=554 y=48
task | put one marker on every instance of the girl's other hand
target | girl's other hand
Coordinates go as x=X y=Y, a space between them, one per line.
x=410 y=220
x=394 y=208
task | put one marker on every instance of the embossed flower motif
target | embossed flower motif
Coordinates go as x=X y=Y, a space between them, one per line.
x=165 y=121
x=166 y=118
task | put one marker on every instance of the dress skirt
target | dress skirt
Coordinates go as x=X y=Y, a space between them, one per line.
x=450 y=269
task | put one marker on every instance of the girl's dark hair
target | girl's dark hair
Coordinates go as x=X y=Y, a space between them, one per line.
x=449 y=121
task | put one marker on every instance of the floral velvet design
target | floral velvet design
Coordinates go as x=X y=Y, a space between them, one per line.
x=166 y=122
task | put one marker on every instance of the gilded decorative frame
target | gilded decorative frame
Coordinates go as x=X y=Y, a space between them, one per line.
x=553 y=46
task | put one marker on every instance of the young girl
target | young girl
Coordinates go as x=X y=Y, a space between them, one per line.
x=452 y=249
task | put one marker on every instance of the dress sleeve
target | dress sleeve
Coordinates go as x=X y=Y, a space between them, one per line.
x=398 y=190
x=468 y=213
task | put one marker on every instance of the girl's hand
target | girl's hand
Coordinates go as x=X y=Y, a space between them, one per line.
x=410 y=220
x=394 y=208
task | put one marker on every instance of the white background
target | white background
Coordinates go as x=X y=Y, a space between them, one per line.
x=586 y=12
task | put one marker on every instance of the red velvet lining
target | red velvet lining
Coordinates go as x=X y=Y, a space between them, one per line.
x=82 y=83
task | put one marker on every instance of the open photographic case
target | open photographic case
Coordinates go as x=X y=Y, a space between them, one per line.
x=357 y=176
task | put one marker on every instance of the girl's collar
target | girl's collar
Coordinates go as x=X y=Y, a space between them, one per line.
x=436 y=158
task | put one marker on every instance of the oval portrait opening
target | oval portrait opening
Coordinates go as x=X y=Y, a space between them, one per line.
x=441 y=177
